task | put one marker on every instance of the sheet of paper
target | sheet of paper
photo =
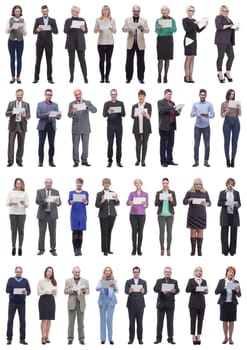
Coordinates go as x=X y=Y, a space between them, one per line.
x=80 y=106
x=203 y=22
x=139 y=111
x=117 y=109
x=133 y=25
x=233 y=103
x=54 y=114
x=45 y=27
x=179 y=106
x=139 y=200
x=167 y=287
x=136 y=287
x=201 y=288
x=17 y=25
x=52 y=199
x=17 y=199
x=165 y=23
x=188 y=41
x=232 y=285
x=235 y=26
x=164 y=196
x=109 y=195
x=16 y=110
x=197 y=200
x=104 y=26
x=77 y=24
x=19 y=291
x=78 y=197
x=107 y=283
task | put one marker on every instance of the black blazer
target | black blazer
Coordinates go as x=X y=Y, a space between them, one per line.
x=197 y=299
x=146 y=122
x=75 y=37
x=223 y=212
x=45 y=36
x=165 y=300
x=12 y=122
x=164 y=114
x=103 y=207
x=224 y=36
x=135 y=299
x=158 y=203
x=220 y=289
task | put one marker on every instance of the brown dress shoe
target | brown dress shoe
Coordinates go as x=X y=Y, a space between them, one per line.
x=168 y=252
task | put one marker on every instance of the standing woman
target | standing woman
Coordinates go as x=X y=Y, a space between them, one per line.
x=138 y=201
x=198 y=199
x=191 y=27
x=197 y=287
x=105 y=25
x=106 y=200
x=229 y=290
x=107 y=286
x=47 y=289
x=78 y=199
x=225 y=40
x=17 y=30
x=231 y=126
x=18 y=202
x=165 y=26
x=141 y=113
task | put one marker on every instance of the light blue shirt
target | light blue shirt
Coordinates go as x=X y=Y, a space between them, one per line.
x=199 y=108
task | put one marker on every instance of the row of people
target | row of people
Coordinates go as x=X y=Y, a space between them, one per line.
x=197 y=198
x=136 y=27
x=48 y=112
x=228 y=289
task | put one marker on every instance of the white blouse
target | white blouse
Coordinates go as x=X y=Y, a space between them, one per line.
x=46 y=287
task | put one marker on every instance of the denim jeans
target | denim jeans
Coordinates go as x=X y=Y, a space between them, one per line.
x=15 y=50
x=231 y=128
x=206 y=138
x=106 y=317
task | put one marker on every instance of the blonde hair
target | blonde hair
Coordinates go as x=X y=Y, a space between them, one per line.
x=75 y=8
x=197 y=268
x=165 y=8
x=107 y=268
x=190 y=8
x=138 y=180
x=106 y=7
x=222 y=8
x=193 y=189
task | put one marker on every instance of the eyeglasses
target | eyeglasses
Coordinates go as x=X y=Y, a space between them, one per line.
x=49 y=95
x=191 y=10
x=197 y=184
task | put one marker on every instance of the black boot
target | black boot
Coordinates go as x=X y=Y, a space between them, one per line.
x=193 y=245
x=199 y=246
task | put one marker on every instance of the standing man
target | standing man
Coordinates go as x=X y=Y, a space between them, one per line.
x=135 y=26
x=229 y=201
x=47 y=113
x=18 y=112
x=166 y=288
x=79 y=112
x=202 y=110
x=44 y=27
x=114 y=111
x=76 y=288
x=136 y=288
x=48 y=199
x=167 y=126
x=17 y=288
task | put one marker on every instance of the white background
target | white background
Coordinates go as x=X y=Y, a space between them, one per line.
x=181 y=178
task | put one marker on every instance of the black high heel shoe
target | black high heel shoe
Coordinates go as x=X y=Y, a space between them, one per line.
x=229 y=79
x=220 y=80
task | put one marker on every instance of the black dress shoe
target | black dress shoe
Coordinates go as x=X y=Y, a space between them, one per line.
x=225 y=341
x=228 y=78
x=18 y=81
x=71 y=81
x=43 y=341
x=103 y=342
x=52 y=164
x=23 y=342
x=137 y=163
x=228 y=164
x=85 y=80
x=35 y=81
x=173 y=163
x=81 y=341
x=140 y=342
x=41 y=252
x=47 y=340
x=12 y=81
x=221 y=80
x=164 y=165
x=53 y=252
x=9 y=341
x=171 y=341
x=139 y=252
x=130 y=342
x=51 y=82
x=133 y=252
x=70 y=341
x=40 y=164
x=75 y=164
x=198 y=342
x=143 y=164
x=165 y=80
x=107 y=80
x=19 y=163
x=110 y=252
x=109 y=164
x=128 y=81
x=157 y=341
x=120 y=165
x=10 y=164
x=85 y=163
x=13 y=251
x=111 y=342
x=102 y=81
x=19 y=251
x=105 y=253
x=141 y=81
x=232 y=163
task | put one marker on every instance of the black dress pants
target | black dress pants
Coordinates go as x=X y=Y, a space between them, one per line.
x=129 y=67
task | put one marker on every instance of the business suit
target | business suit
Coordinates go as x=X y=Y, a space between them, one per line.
x=165 y=220
x=196 y=304
x=107 y=215
x=165 y=305
x=228 y=310
x=76 y=305
x=141 y=136
x=75 y=41
x=44 y=42
x=135 y=305
x=81 y=129
x=46 y=126
x=17 y=128
x=229 y=220
x=167 y=127
x=47 y=214
x=135 y=43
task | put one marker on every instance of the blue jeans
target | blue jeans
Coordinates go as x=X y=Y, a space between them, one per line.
x=15 y=50
x=231 y=127
x=166 y=145
x=198 y=132
x=106 y=316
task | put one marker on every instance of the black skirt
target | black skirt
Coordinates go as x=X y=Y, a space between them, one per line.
x=47 y=307
x=191 y=49
x=228 y=312
x=197 y=223
x=165 y=47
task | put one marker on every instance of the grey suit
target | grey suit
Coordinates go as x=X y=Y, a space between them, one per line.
x=76 y=305
x=47 y=214
x=17 y=128
x=81 y=129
